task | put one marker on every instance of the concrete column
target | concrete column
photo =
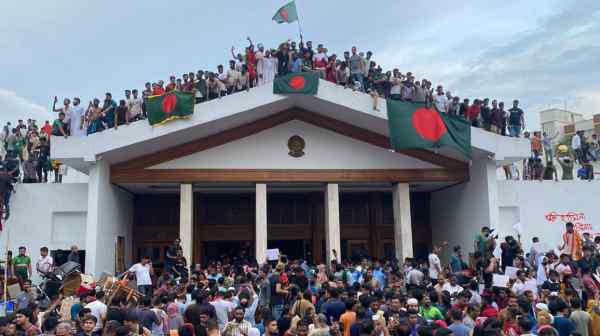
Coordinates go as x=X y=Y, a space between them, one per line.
x=98 y=182
x=402 y=222
x=186 y=221
x=332 y=223
x=260 y=233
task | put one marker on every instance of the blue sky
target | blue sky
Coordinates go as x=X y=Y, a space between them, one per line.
x=543 y=52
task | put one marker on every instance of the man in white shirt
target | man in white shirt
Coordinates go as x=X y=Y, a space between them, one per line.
x=524 y=283
x=414 y=277
x=576 y=141
x=142 y=271
x=97 y=307
x=77 y=124
x=440 y=100
x=45 y=262
x=576 y=146
x=233 y=78
x=435 y=265
x=223 y=307
x=451 y=286
x=134 y=106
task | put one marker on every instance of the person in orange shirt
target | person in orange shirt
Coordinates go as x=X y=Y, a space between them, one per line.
x=348 y=318
x=572 y=243
x=536 y=145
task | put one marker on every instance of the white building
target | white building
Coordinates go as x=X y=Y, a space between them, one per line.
x=226 y=181
x=563 y=122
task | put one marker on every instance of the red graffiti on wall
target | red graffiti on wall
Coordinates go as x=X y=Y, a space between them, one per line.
x=570 y=216
x=574 y=217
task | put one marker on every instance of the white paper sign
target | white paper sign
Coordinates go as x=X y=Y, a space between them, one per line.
x=518 y=228
x=511 y=272
x=273 y=254
x=499 y=280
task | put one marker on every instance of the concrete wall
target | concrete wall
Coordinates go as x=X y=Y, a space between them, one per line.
x=458 y=212
x=52 y=215
x=110 y=214
x=533 y=203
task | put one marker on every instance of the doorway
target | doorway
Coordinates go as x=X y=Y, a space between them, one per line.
x=218 y=250
x=293 y=249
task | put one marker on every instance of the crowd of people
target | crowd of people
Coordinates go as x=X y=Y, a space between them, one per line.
x=515 y=293
x=547 y=152
x=25 y=157
x=258 y=65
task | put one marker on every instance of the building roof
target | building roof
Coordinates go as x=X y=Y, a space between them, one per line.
x=353 y=108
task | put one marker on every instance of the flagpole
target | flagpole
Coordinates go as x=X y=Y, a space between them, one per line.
x=299 y=26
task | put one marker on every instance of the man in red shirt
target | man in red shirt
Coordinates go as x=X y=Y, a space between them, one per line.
x=473 y=113
x=47 y=129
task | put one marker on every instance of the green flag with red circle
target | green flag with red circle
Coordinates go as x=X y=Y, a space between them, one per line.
x=302 y=82
x=287 y=13
x=415 y=125
x=169 y=106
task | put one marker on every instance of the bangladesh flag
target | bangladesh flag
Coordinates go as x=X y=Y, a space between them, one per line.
x=414 y=125
x=286 y=13
x=302 y=82
x=169 y=106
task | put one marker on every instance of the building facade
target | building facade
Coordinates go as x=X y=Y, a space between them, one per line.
x=310 y=175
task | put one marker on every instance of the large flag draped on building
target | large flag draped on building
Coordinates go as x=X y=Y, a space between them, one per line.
x=414 y=125
x=287 y=13
x=302 y=82
x=169 y=106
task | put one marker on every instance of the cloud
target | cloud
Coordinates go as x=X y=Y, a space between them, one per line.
x=14 y=107
x=555 y=57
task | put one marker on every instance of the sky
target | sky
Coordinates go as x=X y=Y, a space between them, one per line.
x=546 y=53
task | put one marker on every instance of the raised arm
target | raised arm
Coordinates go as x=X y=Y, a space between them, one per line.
x=54 y=105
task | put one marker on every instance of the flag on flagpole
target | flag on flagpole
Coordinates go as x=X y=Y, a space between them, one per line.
x=287 y=13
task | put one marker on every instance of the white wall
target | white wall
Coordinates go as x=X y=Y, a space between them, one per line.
x=52 y=215
x=528 y=202
x=110 y=214
x=269 y=150
x=459 y=212
x=74 y=176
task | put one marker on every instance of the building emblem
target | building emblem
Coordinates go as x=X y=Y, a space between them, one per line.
x=296 y=146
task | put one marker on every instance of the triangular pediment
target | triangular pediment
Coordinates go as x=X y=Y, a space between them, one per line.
x=259 y=151
x=312 y=147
